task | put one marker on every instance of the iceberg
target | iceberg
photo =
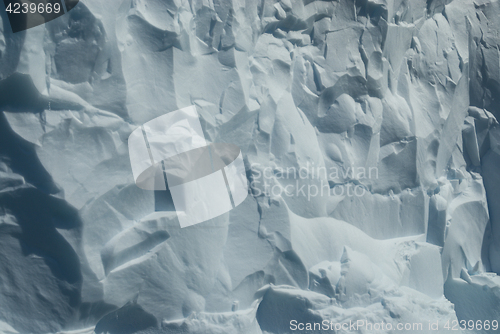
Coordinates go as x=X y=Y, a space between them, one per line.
x=235 y=166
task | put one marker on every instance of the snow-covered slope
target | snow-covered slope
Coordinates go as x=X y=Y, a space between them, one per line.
x=371 y=145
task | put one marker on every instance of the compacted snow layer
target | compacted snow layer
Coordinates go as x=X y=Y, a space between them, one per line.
x=371 y=145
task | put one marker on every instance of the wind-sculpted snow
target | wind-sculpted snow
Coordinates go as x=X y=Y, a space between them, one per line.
x=371 y=146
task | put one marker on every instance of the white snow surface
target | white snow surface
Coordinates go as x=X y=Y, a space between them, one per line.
x=398 y=100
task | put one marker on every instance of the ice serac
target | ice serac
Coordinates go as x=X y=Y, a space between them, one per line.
x=369 y=135
x=400 y=259
x=282 y=305
x=476 y=296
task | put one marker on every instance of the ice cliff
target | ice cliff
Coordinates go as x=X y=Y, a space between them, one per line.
x=396 y=99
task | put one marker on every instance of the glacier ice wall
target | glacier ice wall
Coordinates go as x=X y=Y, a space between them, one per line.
x=398 y=100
